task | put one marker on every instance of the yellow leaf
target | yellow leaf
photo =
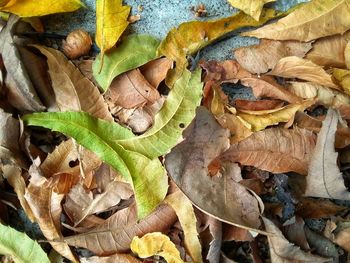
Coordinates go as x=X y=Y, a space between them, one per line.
x=343 y=76
x=313 y=20
x=190 y=37
x=184 y=211
x=30 y=8
x=111 y=21
x=156 y=244
x=250 y=7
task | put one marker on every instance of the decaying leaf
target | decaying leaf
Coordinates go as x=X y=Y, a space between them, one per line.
x=324 y=177
x=343 y=77
x=342 y=235
x=281 y=250
x=119 y=60
x=155 y=71
x=111 y=21
x=117 y=232
x=290 y=150
x=250 y=7
x=156 y=244
x=257 y=105
x=263 y=57
x=222 y=197
x=294 y=67
x=215 y=228
x=317 y=208
x=120 y=258
x=304 y=23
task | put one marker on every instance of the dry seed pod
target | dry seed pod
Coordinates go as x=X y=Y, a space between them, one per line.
x=77 y=44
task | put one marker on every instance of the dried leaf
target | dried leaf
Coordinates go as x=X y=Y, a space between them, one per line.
x=257 y=105
x=282 y=251
x=295 y=233
x=324 y=177
x=131 y=90
x=215 y=228
x=184 y=211
x=343 y=77
x=290 y=150
x=294 y=67
x=221 y=197
x=304 y=23
x=156 y=244
x=155 y=71
x=263 y=57
x=317 y=208
x=116 y=233
x=342 y=235
x=120 y=258
x=250 y=7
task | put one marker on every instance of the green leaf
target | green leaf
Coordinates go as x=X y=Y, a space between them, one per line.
x=176 y=114
x=134 y=51
x=147 y=176
x=20 y=247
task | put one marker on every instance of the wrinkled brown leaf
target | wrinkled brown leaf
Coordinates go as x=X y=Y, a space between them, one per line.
x=119 y=258
x=215 y=228
x=317 y=208
x=257 y=105
x=295 y=233
x=155 y=71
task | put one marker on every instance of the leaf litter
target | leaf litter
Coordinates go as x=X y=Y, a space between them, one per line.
x=133 y=154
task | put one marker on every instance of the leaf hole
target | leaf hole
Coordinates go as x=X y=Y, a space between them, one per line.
x=182 y=125
x=73 y=163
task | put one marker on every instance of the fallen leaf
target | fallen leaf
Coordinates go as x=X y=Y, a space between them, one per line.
x=257 y=105
x=120 y=258
x=343 y=77
x=156 y=244
x=329 y=51
x=190 y=37
x=290 y=150
x=294 y=67
x=187 y=164
x=295 y=233
x=317 y=208
x=342 y=235
x=261 y=58
x=281 y=250
x=304 y=23
x=21 y=91
x=324 y=177
x=19 y=247
x=215 y=228
x=111 y=21
x=266 y=87
x=134 y=51
x=130 y=90
x=184 y=211
x=155 y=71
x=323 y=95
x=24 y=8
x=116 y=233
x=250 y=7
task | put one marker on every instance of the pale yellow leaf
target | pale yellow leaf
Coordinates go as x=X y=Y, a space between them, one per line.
x=343 y=77
x=250 y=7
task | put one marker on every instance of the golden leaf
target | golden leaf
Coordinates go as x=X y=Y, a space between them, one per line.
x=343 y=76
x=250 y=7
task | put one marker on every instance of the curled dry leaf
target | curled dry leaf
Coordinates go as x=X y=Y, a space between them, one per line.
x=117 y=232
x=215 y=228
x=317 y=208
x=294 y=67
x=304 y=23
x=222 y=197
x=257 y=105
x=281 y=250
x=155 y=71
x=324 y=177
x=290 y=150
x=261 y=58
x=295 y=233
x=130 y=90
x=120 y=258
x=250 y=7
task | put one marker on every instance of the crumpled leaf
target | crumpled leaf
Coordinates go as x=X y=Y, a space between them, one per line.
x=145 y=175
x=120 y=258
x=116 y=233
x=156 y=244
x=282 y=251
x=294 y=67
x=264 y=56
x=323 y=95
x=184 y=211
x=176 y=114
x=190 y=37
x=111 y=21
x=324 y=177
x=304 y=23
x=133 y=51
x=250 y=7
x=25 y=8
x=222 y=197
x=343 y=77
x=131 y=90
x=20 y=247
x=290 y=150
x=21 y=91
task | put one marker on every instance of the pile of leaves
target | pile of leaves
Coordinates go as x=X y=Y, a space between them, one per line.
x=138 y=155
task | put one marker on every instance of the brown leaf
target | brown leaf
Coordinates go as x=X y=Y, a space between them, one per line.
x=261 y=58
x=22 y=94
x=155 y=71
x=119 y=258
x=289 y=150
x=222 y=197
x=342 y=235
x=266 y=87
x=115 y=235
x=215 y=228
x=130 y=90
x=317 y=208
x=324 y=177
x=294 y=67
x=282 y=251
x=257 y=105
x=295 y=233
